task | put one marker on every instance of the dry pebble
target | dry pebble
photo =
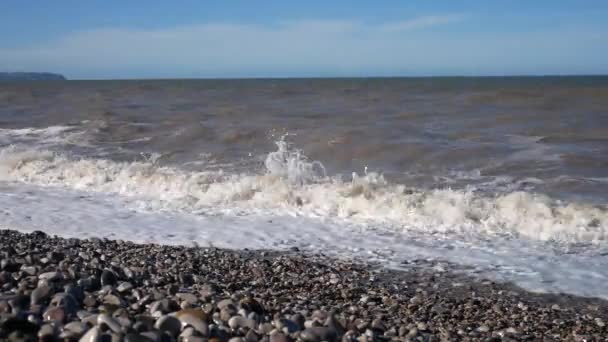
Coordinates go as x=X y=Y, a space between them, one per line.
x=102 y=290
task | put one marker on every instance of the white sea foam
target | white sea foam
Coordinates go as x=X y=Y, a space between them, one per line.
x=295 y=186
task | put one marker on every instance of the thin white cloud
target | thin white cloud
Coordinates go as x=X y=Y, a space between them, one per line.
x=423 y=22
x=309 y=48
x=213 y=46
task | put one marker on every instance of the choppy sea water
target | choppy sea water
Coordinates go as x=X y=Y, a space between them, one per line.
x=505 y=176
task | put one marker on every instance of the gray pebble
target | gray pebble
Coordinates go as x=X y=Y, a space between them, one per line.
x=137 y=338
x=265 y=328
x=110 y=322
x=225 y=303
x=108 y=277
x=113 y=300
x=194 y=339
x=50 y=276
x=29 y=270
x=251 y=336
x=39 y=294
x=194 y=322
x=56 y=314
x=169 y=324
x=241 y=322
x=65 y=300
x=286 y=325
x=279 y=337
x=227 y=312
x=189 y=331
x=91 y=335
x=483 y=329
x=160 y=306
x=46 y=330
x=87 y=317
x=124 y=287
x=187 y=297
x=151 y=335
x=77 y=328
x=317 y=334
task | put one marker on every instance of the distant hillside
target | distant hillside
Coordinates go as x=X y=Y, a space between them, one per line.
x=30 y=76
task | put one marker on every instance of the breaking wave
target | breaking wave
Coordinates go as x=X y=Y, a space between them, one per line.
x=291 y=184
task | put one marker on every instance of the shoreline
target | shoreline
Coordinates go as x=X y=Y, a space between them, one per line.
x=54 y=287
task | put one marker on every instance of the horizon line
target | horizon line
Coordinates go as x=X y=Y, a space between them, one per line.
x=566 y=75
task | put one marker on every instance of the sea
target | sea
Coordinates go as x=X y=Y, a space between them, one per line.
x=503 y=178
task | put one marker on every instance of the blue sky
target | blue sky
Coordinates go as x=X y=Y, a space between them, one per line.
x=162 y=39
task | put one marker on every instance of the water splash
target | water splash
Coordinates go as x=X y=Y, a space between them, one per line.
x=292 y=164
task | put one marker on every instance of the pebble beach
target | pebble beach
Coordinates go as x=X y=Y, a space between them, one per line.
x=56 y=289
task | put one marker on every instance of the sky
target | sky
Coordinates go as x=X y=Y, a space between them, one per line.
x=117 y=39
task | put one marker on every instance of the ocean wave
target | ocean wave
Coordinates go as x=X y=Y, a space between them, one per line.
x=45 y=136
x=291 y=184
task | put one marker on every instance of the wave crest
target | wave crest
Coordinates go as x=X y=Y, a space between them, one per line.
x=293 y=185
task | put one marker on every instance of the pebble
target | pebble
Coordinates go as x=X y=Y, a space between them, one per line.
x=160 y=306
x=195 y=322
x=241 y=322
x=46 y=330
x=105 y=290
x=251 y=336
x=29 y=270
x=286 y=325
x=187 y=297
x=89 y=301
x=196 y=339
x=317 y=334
x=113 y=300
x=56 y=313
x=169 y=324
x=124 y=287
x=78 y=328
x=110 y=322
x=198 y=313
x=512 y=331
x=225 y=303
x=39 y=294
x=90 y=319
x=49 y=276
x=108 y=278
x=600 y=323
x=91 y=335
x=279 y=337
x=65 y=300
x=483 y=329
x=226 y=313
x=250 y=304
